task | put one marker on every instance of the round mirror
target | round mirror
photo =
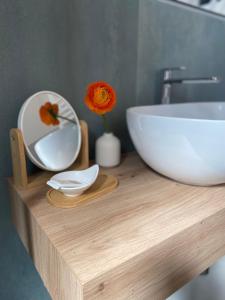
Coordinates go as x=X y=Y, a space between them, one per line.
x=51 y=141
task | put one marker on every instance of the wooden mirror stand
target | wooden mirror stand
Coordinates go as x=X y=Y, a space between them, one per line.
x=22 y=179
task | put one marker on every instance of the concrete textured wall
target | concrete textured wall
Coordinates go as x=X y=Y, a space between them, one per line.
x=33 y=57
x=171 y=36
x=64 y=45
x=103 y=46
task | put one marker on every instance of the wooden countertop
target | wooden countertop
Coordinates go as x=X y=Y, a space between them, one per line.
x=142 y=241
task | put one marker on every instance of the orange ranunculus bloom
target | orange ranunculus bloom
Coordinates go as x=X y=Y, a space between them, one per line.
x=100 y=97
x=48 y=113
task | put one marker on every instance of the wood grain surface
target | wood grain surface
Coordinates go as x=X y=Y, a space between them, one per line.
x=142 y=241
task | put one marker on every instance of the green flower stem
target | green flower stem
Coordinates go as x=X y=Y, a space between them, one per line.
x=105 y=123
x=64 y=118
x=55 y=116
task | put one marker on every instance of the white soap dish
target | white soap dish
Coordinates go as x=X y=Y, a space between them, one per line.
x=74 y=183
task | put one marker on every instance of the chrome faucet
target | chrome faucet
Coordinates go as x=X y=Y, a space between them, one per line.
x=168 y=81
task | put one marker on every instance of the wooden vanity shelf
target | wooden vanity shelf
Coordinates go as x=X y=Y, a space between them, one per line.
x=21 y=178
x=143 y=241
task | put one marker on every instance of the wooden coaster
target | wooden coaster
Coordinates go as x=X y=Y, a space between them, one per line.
x=103 y=185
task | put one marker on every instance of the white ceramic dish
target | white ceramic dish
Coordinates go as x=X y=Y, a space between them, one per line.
x=185 y=142
x=74 y=183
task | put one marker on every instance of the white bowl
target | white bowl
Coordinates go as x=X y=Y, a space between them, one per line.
x=50 y=151
x=185 y=142
x=74 y=183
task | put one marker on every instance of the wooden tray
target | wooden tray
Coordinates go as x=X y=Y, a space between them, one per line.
x=103 y=185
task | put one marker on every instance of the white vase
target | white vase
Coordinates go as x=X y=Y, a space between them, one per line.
x=107 y=150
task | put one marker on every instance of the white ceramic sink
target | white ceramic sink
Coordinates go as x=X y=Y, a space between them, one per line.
x=185 y=142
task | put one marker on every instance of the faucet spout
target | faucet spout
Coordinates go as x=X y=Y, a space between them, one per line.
x=168 y=81
x=193 y=80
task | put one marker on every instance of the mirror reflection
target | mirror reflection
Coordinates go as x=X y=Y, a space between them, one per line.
x=214 y=6
x=51 y=143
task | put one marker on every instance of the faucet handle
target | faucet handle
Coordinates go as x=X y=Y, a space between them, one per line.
x=180 y=68
x=167 y=73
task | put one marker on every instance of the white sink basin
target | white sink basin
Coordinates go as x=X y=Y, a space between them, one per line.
x=185 y=142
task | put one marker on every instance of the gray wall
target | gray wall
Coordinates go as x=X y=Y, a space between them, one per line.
x=103 y=46
x=33 y=56
x=62 y=46
x=171 y=36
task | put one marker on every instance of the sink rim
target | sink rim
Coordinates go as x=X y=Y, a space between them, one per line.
x=139 y=110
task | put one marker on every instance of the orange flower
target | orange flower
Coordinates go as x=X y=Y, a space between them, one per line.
x=49 y=113
x=100 y=97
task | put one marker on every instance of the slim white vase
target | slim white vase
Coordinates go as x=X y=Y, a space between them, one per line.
x=107 y=150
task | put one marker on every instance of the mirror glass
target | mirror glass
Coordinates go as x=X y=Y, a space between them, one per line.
x=50 y=147
x=214 y=6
